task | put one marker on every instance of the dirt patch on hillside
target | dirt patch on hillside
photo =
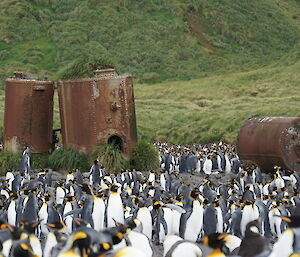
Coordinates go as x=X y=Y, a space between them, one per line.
x=196 y=27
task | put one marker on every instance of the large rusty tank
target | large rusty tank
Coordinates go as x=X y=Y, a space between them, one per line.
x=270 y=141
x=98 y=110
x=28 y=114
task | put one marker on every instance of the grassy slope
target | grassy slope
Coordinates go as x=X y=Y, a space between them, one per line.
x=155 y=40
x=214 y=108
x=247 y=54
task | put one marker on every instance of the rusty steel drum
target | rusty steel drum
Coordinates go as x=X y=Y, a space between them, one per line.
x=270 y=141
x=28 y=115
x=98 y=110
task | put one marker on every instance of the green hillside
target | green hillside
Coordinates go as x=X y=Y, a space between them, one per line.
x=231 y=59
x=214 y=108
x=155 y=40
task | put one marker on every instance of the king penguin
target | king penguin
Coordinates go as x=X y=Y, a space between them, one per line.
x=191 y=222
x=114 y=209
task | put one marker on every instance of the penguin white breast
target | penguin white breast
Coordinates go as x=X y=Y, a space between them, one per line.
x=60 y=194
x=141 y=242
x=187 y=249
x=284 y=246
x=51 y=242
x=36 y=245
x=114 y=210
x=11 y=213
x=6 y=247
x=144 y=216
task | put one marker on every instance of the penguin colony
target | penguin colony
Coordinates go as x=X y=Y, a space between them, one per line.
x=157 y=213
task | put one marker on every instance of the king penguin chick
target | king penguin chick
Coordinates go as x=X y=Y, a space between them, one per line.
x=253 y=243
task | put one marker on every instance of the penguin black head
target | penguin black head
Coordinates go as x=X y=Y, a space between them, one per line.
x=214 y=240
x=116 y=233
x=206 y=201
x=195 y=193
x=216 y=203
x=156 y=205
x=56 y=225
x=252 y=229
x=114 y=188
x=23 y=250
x=101 y=194
x=248 y=202
x=179 y=197
x=104 y=247
x=47 y=197
x=70 y=172
x=81 y=240
x=80 y=222
x=16 y=232
x=86 y=188
x=69 y=198
x=13 y=196
x=247 y=187
x=29 y=226
x=135 y=200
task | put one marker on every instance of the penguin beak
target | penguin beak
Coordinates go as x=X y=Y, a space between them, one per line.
x=288 y=220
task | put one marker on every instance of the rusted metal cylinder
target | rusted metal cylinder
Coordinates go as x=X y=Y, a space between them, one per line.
x=98 y=110
x=270 y=141
x=28 y=115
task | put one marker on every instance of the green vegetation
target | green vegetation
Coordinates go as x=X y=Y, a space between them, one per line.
x=40 y=161
x=155 y=40
x=214 y=108
x=9 y=161
x=145 y=157
x=231 y=60
x=67 y=159
x=111 y=157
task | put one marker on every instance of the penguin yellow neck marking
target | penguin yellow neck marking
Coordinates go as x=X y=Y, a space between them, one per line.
x=70 y=253
x=216 y=253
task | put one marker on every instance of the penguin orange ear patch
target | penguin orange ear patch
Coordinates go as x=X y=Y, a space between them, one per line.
x=24 y=247
x=106 y=246
x=119 y=235
x=3 y=226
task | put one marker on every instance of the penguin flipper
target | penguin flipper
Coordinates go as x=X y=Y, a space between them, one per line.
x=183 y=220
x=175 y=207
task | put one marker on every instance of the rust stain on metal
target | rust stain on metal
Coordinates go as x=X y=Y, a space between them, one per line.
x=98 y=110
x=269 y=141
x=28 y=115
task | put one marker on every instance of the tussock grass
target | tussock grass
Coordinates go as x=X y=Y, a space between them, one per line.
x=145 y=157
x=67 y=159
x=110 y=157
x=9 y=161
